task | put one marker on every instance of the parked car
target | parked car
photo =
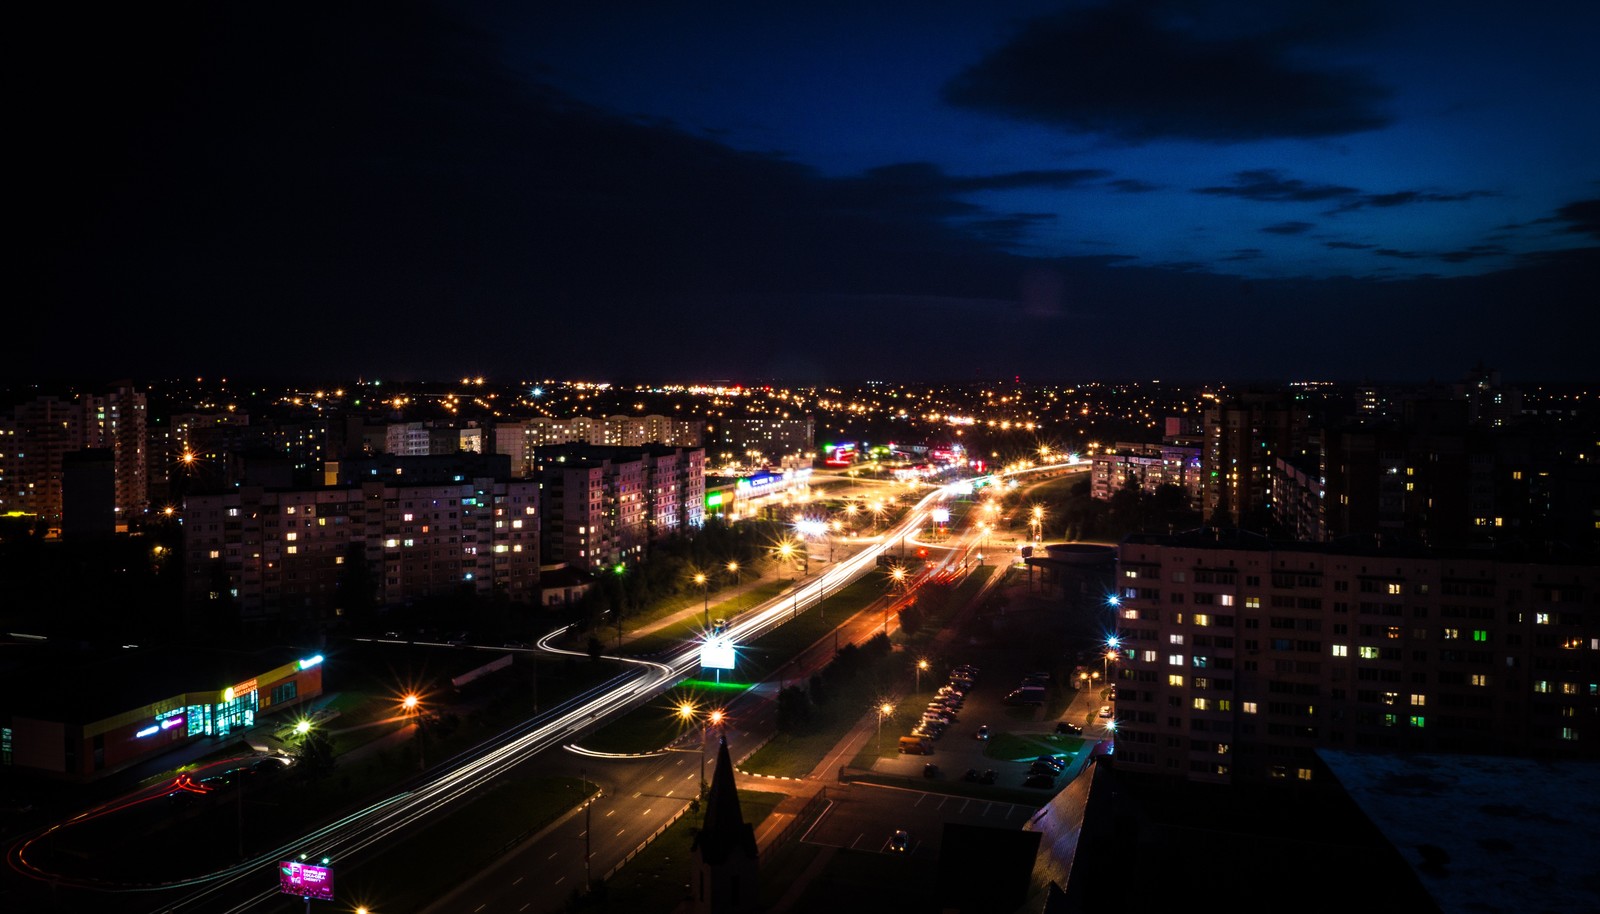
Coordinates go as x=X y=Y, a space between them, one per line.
x=899 y=841
x=1105 y=711
x=987 y=776
x=1044 y=768
x=930 y=770
x=1039 y=780
x=1068 y=728
x=983 y=732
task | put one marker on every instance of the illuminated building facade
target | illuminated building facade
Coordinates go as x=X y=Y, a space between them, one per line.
x=1240 y=657
x=59 y=718
x=601 y=506
x=282 y=553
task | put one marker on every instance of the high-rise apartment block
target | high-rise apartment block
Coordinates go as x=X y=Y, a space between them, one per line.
x=284 y=553
x=1243 y=435
x=601 y=506
x=42 y=431
x=1240 y=657
x=1146 y=467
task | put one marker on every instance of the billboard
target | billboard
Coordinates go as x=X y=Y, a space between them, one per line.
x=305 y=880
x=716 y=653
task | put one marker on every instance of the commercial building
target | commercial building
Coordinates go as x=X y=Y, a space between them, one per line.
x=1240 y=657
x=58 y=716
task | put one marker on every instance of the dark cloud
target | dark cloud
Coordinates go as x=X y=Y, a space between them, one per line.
x=1133 y=186
x=1349 y=245
x=1245 y=254
x=1582 y=217
x=1473 y=252
x=1138 y=72
x=1010 y=229
x=1408 y=197
x=1270 y=185
x=1288 y=228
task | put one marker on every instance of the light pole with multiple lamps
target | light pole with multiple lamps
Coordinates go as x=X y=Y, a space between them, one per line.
x=686 y=713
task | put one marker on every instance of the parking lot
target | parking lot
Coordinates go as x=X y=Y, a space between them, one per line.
x=865 y=816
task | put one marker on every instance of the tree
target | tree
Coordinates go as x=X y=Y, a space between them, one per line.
x=818 y=691
x=596 y=648
x=313 y=756
x=911 y=618
x=794 y=709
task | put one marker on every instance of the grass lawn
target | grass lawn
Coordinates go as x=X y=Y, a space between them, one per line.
x=691 y=628
x=656 y=723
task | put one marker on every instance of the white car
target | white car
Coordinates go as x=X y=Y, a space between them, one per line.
x=1105 y=711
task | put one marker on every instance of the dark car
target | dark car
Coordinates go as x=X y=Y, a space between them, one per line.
x=983 y=732
x=987 y=776
x=1069 y=728
x=1056 y=762
x=930 y=770
x=1044 y=768
x=1040 y=780
x=899 y=841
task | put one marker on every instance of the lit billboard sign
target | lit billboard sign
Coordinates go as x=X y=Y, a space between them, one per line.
x=941 y=516
x=305 y=880
x=717 y=654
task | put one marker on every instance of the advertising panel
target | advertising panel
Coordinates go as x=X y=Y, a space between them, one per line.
x=305 y=880
x=717 y=654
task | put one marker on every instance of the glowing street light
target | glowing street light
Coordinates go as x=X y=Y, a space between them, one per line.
x=884 y=710
x=1036 y=520
x=705 y=596
x=733 y=567
x=412 y=704
x=922 y=664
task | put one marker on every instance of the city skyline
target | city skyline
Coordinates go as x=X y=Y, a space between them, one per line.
x=1054 y=191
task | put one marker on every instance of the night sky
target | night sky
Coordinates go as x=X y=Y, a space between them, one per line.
x=812 y=192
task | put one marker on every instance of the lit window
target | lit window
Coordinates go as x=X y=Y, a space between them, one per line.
x=1252 y=602
x=391 y=543
x=501 y=547
x=1148 y=656
x=1341 y=650
x=1202 y=704
x=1569 y=732
x=407 y=517
x=1225 y=599
x=293 y=549
x=1569 y=688
x=1417 y=720
x=1174 y=679
x=1202 y=619
x=1222 y=748
x=1451 y=634
x=291 y=537
x=1369 y=653
x=1418 y=701
x=1394 y=588
x=1303 y=774
x=1542 y=686
x=1175 y=660
x=1248 y=707
x=1480 y=635
x=1480 y=679
x=1541 y=618
x=1174 y=639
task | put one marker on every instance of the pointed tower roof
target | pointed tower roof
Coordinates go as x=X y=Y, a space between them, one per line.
x=724 y=831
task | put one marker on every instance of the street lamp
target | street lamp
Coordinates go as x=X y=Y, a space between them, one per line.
x=884 y=710
x=1037 y=522
x=734 y=568
x=922 y=664
x=705 y=596
x=412 y=705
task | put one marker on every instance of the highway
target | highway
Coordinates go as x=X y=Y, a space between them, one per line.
x=247 y=885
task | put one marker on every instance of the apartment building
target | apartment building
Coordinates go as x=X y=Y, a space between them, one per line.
x=281 y=553
x=520 y=438
x=603 y=506
x=1240 y=657
x=1148 y=467
x=41 y=432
